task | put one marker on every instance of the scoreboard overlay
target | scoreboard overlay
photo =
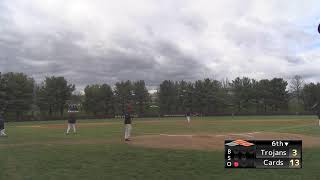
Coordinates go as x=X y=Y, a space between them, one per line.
x=263 y=154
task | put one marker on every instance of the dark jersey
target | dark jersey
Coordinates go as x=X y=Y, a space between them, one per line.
x=127 y=119
x=72 y=119
x=318 y=114
x=188 y=114
x=1 y=123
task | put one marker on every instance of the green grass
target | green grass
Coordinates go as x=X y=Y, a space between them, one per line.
x=29 y=154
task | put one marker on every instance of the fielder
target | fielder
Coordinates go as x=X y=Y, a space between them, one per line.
x=71 y=123
x=2 y=130
x=318 y=114
x=127 y=126
x=317 y=108
x=188 y=115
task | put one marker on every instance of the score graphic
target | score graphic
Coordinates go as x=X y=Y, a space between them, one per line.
x=263 y=154
x=239 y=154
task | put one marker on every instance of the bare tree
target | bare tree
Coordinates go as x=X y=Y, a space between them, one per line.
x=296 y=88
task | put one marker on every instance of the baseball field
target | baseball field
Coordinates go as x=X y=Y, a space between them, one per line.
x=161 y=148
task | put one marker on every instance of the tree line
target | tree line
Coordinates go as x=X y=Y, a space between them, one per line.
x=239 y=95
x=20 y=95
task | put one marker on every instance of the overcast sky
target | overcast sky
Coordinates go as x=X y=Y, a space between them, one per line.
x=101 y=41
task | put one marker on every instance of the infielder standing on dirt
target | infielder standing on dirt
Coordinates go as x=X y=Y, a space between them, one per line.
x=316 y=108
x=2 y=130
x=318 y=114
x=71 y=123
x=128 y=126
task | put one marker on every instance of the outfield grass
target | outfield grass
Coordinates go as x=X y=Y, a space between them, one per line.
x=43 y=153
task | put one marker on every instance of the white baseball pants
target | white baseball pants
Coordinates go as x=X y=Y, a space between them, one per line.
x=73 y=126
x=3 y=132
x=127 y=131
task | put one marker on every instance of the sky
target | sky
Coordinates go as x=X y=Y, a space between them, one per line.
x=102 y=41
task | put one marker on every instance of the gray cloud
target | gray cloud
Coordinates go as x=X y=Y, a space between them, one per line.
x=98 y=42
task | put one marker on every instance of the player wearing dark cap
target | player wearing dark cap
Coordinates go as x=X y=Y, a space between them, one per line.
x=2 y=130
x=127 y=126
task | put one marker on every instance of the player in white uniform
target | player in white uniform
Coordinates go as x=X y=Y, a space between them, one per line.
x=188 y=115
x=71 y=123
x=316 y=108
x=72 y=110
x=128 y=126
x=318 y=114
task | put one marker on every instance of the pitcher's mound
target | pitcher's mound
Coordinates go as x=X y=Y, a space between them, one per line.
x=215 y=141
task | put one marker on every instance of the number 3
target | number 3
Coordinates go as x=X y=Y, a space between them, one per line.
x=294 y=152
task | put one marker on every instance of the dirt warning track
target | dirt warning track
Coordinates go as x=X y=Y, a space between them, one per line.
x=179 y=123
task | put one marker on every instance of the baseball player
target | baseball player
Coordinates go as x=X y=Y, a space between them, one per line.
x=318 y=114
x=188 y=115
x=316 y=108
x=71 y=123
x=127 y=126
x=2 y=130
